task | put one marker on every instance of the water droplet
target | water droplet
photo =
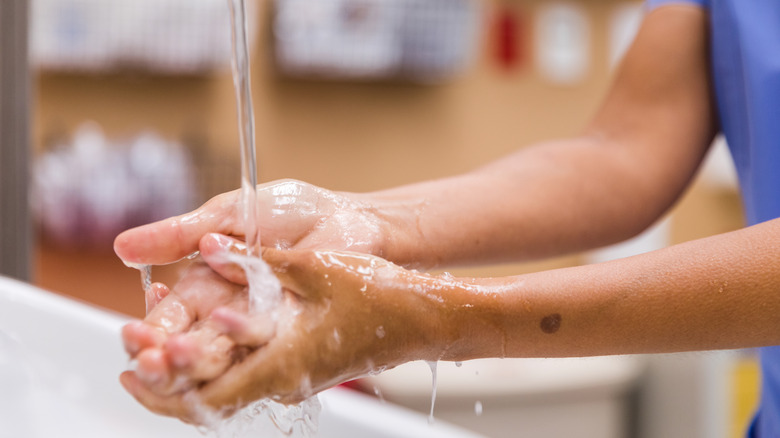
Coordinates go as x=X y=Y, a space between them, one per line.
x=458 y=364
x=378 y=393
x=335 y=341
x=377 y=371
x=478 y=408
x=380 y=332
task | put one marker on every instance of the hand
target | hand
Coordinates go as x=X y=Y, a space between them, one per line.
x=292 y=214
x=180 y=343
x=343 y=316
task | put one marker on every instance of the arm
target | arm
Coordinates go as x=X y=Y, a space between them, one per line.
x=629 y=166
x=715 y=293
x=354 y=314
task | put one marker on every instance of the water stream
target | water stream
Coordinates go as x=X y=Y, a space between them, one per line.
x=246 y=123
x=264 y=289
x=434 y=366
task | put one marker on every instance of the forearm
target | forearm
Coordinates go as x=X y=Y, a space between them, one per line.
x=546 y=200
x=716 y=293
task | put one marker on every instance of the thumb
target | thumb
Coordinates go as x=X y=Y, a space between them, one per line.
x=172 y=239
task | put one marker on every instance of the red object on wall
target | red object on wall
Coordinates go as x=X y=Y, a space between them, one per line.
x=508 y=46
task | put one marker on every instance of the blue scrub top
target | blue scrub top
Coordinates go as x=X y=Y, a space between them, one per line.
x=745 y=46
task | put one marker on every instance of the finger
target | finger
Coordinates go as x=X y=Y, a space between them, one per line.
x=263 y=374
x=172 y=405
x=153 y=369
x=242 y=384
x=249 y=331
x=304 y=272
x=287 y=265
x=171 y=315
x=172 y=239
x=202 y=354
x=137 y=336
x=155 y=294
x=216 y=250
x=182 y=352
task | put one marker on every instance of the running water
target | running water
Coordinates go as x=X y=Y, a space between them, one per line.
x=246 y=123
x=434 y=366
x=265 y=292
x=260 y=418
x=146 y=279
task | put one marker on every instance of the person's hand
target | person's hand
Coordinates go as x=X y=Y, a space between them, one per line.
x=343 y=316
x=291 y=214
x=179 y=344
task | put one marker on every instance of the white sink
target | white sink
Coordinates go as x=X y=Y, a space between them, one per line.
x=59 y=367
x=522 y=398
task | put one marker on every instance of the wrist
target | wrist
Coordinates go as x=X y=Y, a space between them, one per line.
x=447 y=318
x=400 y=238
x=468 y=317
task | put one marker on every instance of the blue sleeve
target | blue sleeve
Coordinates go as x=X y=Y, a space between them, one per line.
x=652 y=4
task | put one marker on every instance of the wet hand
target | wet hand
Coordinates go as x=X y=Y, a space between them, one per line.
x=179 y=344
x=343 y=316
x=291 y=214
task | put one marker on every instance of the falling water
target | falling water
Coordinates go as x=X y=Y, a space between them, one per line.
x=146 y=278
x=246 y=123
x=434 y=366
x=264 y=288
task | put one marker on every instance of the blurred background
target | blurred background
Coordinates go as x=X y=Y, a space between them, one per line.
x=133 y=119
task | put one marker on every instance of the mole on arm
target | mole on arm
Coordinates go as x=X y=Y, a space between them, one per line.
x=551 y=323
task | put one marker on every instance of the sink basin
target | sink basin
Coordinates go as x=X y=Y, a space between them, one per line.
x=59 y=365
x=523 y=398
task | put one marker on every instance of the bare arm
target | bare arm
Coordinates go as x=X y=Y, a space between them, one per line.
x=357 y=313
x=628 y=167
x=715 y=293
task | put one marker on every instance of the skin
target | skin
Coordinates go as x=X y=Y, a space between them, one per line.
x=628 y=166
x=326 y=333
x=179 y=336
x=292 y=214
x=622 y=306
